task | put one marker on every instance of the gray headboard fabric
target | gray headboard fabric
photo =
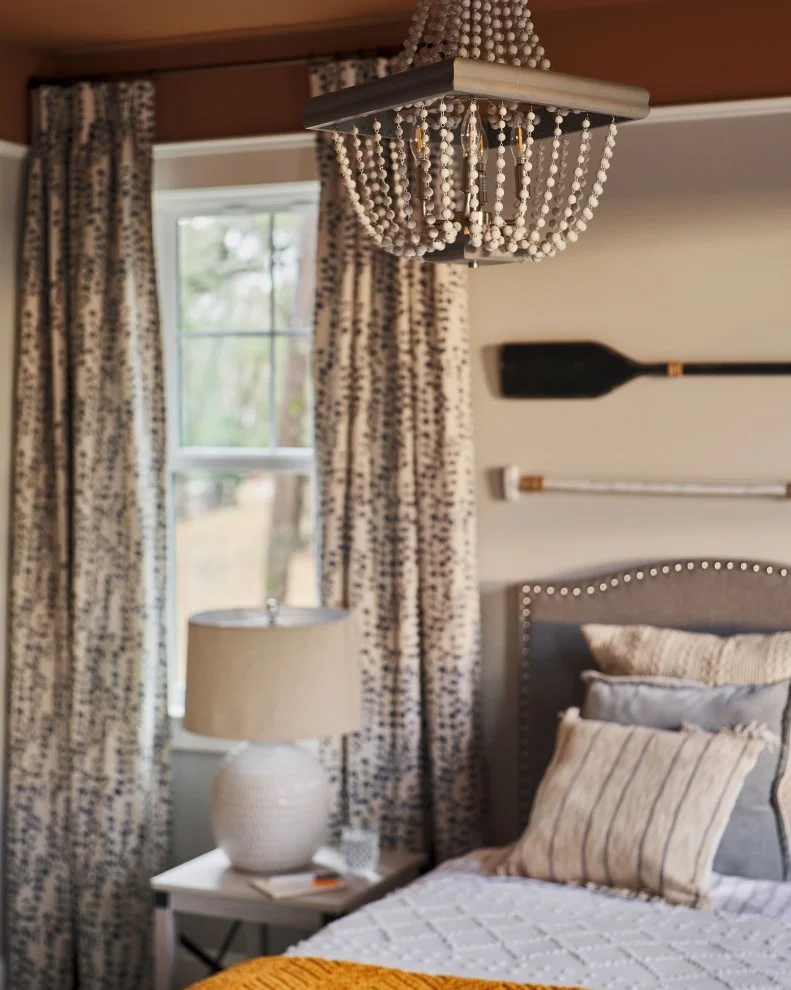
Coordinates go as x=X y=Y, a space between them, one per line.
x=719 y=596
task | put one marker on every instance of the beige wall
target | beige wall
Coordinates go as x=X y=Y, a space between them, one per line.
x=689 y=259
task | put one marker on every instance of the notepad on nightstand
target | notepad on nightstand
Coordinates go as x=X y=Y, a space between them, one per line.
x=284 y=885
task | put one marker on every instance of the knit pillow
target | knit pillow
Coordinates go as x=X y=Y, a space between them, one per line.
x=635 y=808
x=751 y=658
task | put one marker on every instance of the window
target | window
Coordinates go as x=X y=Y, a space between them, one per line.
x=237 y=289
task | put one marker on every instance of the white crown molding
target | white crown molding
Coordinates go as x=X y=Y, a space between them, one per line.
x=717 y=111
x=10 y=149
x=235 y=146
x=230 y=198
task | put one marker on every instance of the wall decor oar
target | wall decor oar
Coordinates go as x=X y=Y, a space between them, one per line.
x=587 y=370
x=514 y=484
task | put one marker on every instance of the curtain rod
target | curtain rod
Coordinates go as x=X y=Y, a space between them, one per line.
x=154 y=74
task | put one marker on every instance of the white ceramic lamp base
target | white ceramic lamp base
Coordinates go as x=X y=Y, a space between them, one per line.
x=270 y=807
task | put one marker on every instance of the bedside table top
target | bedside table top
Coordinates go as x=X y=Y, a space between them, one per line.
x=211 y=877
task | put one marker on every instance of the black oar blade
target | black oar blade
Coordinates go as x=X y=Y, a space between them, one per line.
x=559 y=370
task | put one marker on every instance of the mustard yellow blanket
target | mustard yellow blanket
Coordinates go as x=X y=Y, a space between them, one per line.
x=295 y=973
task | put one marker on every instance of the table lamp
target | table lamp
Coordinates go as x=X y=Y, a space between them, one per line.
x=271 y=676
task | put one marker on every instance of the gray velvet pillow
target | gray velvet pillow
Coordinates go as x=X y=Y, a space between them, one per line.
x=755 y=843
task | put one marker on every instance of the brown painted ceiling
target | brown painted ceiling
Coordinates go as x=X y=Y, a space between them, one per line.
x=681 y=50
x=69 y=25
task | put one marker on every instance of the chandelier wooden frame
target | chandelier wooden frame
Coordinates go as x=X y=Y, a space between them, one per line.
x=466 y=77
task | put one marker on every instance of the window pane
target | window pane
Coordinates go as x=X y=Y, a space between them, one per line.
x=225 y=272
x=293 y=272
x=293 y=391
x=225 y=391
x=240 y=539
x=247 y=271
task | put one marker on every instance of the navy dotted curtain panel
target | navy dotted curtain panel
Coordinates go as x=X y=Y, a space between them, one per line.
x=88 y=804
x=397 y=501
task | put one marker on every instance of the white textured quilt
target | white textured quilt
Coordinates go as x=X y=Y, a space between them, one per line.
x=459 y=922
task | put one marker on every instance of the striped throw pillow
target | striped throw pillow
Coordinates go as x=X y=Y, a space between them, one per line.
x=635 y=808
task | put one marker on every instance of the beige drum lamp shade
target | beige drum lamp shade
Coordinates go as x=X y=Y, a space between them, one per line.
x=273 y=675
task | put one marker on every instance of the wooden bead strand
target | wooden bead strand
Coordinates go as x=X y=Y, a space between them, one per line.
x=574 y=201
x=347 y=174
x=465 y=28
x=498 y=223
x=446 y=175
x=416 y=29
x=476 y=17
x=400 y=246
x=524 y=169
x=553 y=239
x=498 y=34
x=381 y=189
x=488 y=30
x=404 y=201
x=601 y=177
x=427 y=193
x=475 y=217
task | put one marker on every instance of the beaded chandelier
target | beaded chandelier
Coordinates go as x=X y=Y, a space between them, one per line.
x=473 y=150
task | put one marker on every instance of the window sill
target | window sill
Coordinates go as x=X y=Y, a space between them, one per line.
x=189 y=742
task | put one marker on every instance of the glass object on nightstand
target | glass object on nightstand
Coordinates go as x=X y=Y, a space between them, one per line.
x=360 y=851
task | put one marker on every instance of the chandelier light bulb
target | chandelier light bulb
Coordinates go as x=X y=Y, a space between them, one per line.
x=473 y=149
x=474 y=140
x=522 y=139
x=420 y=144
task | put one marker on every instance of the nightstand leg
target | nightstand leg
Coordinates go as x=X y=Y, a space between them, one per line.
x=258 y=943
x=165 y=942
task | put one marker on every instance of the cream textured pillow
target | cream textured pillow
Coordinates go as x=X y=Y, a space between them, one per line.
x=646 y=650
x=635 y=808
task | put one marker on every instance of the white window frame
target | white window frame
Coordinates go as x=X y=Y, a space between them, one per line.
x=169 y=207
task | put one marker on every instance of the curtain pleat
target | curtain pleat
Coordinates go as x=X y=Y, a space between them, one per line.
x=397 y=501
x=88 y=804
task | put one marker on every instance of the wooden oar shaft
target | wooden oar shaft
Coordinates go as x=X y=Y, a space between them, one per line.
x=681 y=369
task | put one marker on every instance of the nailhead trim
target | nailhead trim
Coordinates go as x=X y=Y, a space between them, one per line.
x=628 y=576
x=602 y=585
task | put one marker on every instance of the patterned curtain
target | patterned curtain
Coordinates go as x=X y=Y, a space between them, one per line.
x=87 y=815
x=395 y=453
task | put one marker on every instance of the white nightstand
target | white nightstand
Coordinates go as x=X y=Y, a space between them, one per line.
x=209 y=886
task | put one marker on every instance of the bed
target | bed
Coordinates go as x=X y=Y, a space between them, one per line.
x=465 y=921
x=461 y=921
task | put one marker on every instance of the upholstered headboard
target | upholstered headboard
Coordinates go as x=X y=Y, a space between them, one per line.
x=720 y=596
